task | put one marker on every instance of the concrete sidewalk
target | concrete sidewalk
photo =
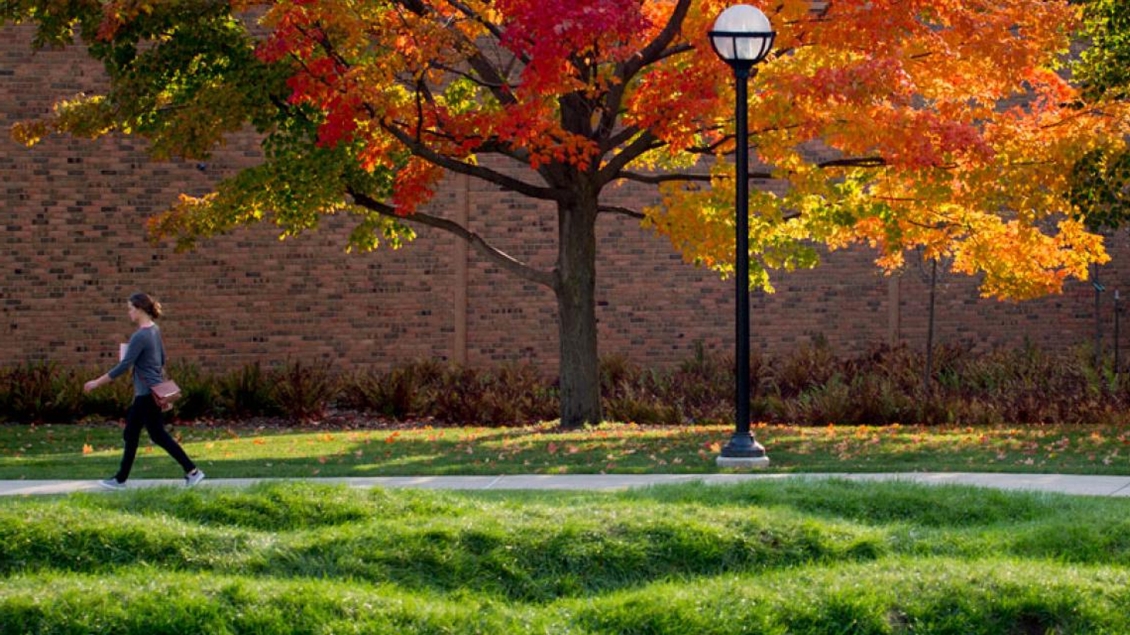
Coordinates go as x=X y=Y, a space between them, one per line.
x=1060 y=483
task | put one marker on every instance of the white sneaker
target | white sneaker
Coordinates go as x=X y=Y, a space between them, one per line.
x=192 y=478
x=112 y=483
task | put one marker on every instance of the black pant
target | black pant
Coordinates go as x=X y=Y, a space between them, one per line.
x=144 y=413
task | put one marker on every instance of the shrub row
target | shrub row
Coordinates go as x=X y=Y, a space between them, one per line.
x=810 y=386
x=814 y=386
x=447 y=393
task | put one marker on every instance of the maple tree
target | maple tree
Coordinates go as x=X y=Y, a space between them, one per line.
x=898 y=123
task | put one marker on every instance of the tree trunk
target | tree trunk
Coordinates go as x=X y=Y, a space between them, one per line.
x=576 y=313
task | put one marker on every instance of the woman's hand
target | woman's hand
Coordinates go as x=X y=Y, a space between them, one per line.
x=95 y=383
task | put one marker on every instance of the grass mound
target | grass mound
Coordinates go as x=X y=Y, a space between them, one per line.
x=789 y=556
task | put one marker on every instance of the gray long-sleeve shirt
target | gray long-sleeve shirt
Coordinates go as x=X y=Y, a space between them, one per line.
x=146 y=355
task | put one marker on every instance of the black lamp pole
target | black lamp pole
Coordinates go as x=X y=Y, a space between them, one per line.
x=741 y=443
x=742 y=38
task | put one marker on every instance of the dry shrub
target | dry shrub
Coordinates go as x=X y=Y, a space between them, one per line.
x=40 y=391
x=246 y=392
x=304 y=391
x=810 y=366
x=401 y=393
x=517 y=394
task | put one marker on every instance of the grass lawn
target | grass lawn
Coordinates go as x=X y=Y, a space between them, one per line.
x=784 y=557
x=92 y=450
x=796 y=557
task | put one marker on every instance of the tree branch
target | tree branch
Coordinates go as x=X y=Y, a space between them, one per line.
x=622 y=136
x=653 y=52
x=656 y=179
x=854 y=162
x=655 y=49
x=713 y=147
x=638 y=146
x=493 y=254
x=490 y=77
x=510 y=183
x=622 y=211
x=477 y=16
x=673 y=51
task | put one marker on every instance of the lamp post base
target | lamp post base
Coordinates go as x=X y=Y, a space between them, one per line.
x=744 y=453
x=743 y=462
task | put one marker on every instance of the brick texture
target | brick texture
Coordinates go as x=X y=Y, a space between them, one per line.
x=74 y=247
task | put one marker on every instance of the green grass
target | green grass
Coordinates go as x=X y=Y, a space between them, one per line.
x=88 y=451
x=790 y=556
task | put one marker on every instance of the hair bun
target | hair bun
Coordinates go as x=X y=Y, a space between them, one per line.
x=146 y=303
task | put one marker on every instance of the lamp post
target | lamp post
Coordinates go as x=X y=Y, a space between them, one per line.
x=742 y=37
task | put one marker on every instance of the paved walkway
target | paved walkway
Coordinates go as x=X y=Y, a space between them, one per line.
x=1061 y=483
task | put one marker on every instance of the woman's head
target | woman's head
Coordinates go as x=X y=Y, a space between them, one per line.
x=142 y=302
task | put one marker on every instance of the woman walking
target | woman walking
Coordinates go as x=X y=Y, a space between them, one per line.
x=145 y=353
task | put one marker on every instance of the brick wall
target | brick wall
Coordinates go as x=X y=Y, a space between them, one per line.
x=72 y=248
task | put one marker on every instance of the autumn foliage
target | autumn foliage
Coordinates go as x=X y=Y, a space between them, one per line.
x=902 y=124
x=947 y=125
